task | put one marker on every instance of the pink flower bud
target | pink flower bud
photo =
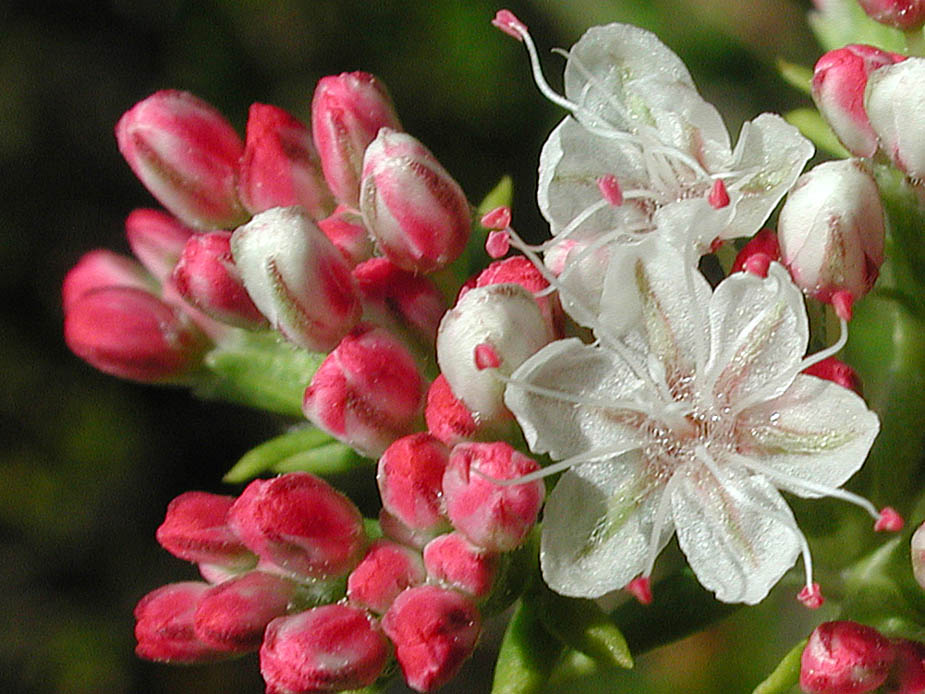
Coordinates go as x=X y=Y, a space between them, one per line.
x=831 y=230
x=207 y=277
x=395 y=297
x=394 y=529
x=347 y=112
x=503 y=316
x=414 y=209
x=839 y=79
x=233 y=615
x=164 y=625
x=130 y=333
x=757 y=253
x=837 y=371
x=186 y=154
x=918 y=554
x=410 y=477
x=907 y=15
x=908 y=675
x=296 y=277
x=492 y=516
x=895 y=104
x=301 y=524
x=280 y=166
x=387 y=569
x=453 y=560
x=844 y=658
x=434 y=630
x=346 y=231
x=325 y=649
x=102 y=268
x=195 y=528
x=157 y=240
x=367 y=392
x=448 y=419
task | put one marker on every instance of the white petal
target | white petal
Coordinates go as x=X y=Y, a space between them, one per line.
x=759 y=333
x=738 y=537
x=562 y=426
x=816 y=431
x=597 y=526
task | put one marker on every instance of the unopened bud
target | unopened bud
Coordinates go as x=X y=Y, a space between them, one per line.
x=280 y=166
x=206 y=276
x=496 y=517
x=434 y=631
x=895 y=104
x=410 y=478
x=130 y=333
x=414 y=209
x=447 y=417
x=232 y=615
x=908 y=674
x=164 y=625
x=831 y=230
x=347 y=112
x=907 y=15
x=367 y=392
x=296 y=277
x=325 y=649
x=187 y=155
x=301 y=524
x=453 y=560
x=387 y=569
x=839 y=79
x=756 y=255
x=844 y=658
x=918 y=555
x=157 y=240
x=837 y=371
x=504 y=316
x=102 y=268
x=346 y=231
x=195 y=528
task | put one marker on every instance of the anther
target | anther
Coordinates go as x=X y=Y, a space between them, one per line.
x=889 y=521
x=498 y=243
x=509 y=24
x=497 y=219
x=811 y=596
x=610 y=189
x=641 y=589
x=486 y=357
x=758 y=264
x=842 y=301
x=719 y=196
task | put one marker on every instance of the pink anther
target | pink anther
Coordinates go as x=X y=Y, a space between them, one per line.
x=757 y=264
x=641 y=589
x=486 y=357
x=719 y=196
x=842 y=301
x=610 y=189
x=811 y=596
x=498 y=244
x=509 y=24
x=497 y=219
x=889 y=521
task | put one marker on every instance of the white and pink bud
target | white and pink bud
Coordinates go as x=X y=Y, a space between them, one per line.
x=918 y=555
x=908 y=674
x=895 y=103
x=367 y=392
x=448 y=419
x=157 y=240
x=207 y=277
x=387 y=569
x=504 y=317
x=102 y=268
x=345 y=229
x=130 y=333
x=434 y=631
x=280 y=166
x=414 y=209
x=196 y=528
x=839 y=79
x=296 y=277
x=186 y=154
x=837 y=371
x=758 y=254
x=907 y=15
x=164 y=625
x=348 y=110
x=233 y=615
x=326 y=649
x=410 y=478
x=493 y=516
x=301 y=524
x=845 y=658
x=454 y=561
x=831 y=232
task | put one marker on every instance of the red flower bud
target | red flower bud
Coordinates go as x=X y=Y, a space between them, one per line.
x=157 y=239
x=844 y=658
x=280 y=166
x=448 y=418
x=453 y=560
x=345 y=229
x=434 y=630
x=186 y=154
x=908 y=674
x=386 y=570
x=410 y=477
x=837 y=371
x=757 y=253
x=325 y=649
x=907 y=15
x=102 y=268
x=164 y=625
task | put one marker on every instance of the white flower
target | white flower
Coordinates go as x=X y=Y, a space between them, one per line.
x=688 y=425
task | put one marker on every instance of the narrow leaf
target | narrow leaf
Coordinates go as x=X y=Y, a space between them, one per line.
x=528 y=653
x=813 y=126
x=785 y=675
x=797 y=76
x=334 y=458
x=270 y=453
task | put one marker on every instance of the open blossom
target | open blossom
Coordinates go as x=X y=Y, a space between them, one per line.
x=688 y=425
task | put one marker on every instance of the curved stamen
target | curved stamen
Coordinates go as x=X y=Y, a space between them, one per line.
x=829 y=351
x=538 y=76
x=594 y=455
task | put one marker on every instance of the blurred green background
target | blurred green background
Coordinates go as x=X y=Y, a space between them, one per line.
x=87 y=462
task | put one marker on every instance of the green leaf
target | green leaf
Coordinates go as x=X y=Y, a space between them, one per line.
x=798 y=76
x=843 y=22
x=501 y=194
x=785 y=675
x=334 y=458
x=813 y=126
x=581 y=624
x=528 y=653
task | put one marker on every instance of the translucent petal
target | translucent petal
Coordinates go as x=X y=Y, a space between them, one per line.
x=572 y=424
x=597 y=526
x=738 y=536
x=816 y=431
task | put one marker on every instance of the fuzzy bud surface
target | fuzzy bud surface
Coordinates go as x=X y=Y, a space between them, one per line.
x=845 y=658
